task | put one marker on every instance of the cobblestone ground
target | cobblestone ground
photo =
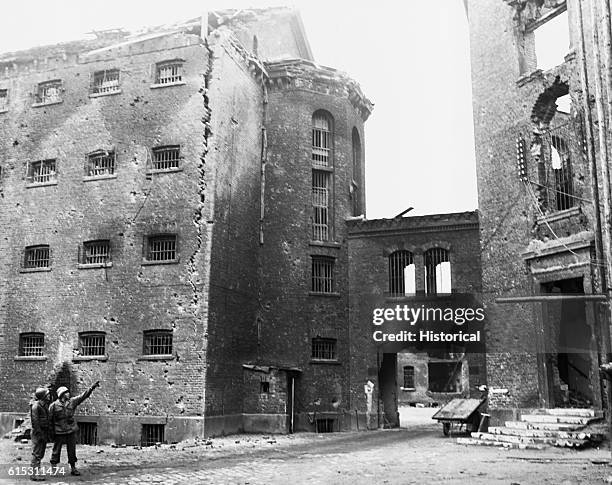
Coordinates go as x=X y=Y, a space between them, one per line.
x=419 y=455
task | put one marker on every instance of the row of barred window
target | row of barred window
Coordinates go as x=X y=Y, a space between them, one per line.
x=402 y=272
x=103 y=163
x=158 y=248
x=103 y=82
x=154 y=343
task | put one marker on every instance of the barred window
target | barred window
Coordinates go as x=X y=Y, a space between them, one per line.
x=88 y=433
x=100 y=162
x=96 y=252
x=106 y=81
x=42 y=171
x=402 y=277
x=324 y=348
x=322 y=274
x=49 y=92
x=321 y=139
x=31 y=344
x=3 y=99
x=161 y=248
x=37 y=257
x=166 y=157
x=92 y=343
x=408 y=377
x=152 y=434
x=169 y=72
x=437 y=271
x=320 y=205
x=157 y=342
x=356 y=182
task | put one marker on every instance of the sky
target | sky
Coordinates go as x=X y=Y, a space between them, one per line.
x=410 y=57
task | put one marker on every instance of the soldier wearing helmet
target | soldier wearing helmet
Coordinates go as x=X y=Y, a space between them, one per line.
x=41 y=430
x=61 y=414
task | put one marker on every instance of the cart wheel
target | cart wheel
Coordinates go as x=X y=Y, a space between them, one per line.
x=446 y=428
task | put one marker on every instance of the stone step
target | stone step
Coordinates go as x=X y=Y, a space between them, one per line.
x=547 y=418
x=522 y=446
x=543 y=433
x=554 y=441
x=579 y=412
x=544 y=426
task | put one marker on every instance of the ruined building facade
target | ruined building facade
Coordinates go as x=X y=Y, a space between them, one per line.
x=542 y=118
x=172 y=208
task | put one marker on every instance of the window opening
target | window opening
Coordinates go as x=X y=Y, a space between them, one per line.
x=166 y=157
x=321 y=140
x=31 y=344
x=49 y=92
x=409 y=377
x=402 y=275
x=320 y=203
x=37 y=257
x=42 y=171
x=152 y=434
x=101 y=163
x=157 y=342
x=106 y=81
x=92 y=344
x=169 y=72
x=324 y=348
x=161 y=248
x=88 y=433
x=322 y=274
x=96 y=252
x=437 y=271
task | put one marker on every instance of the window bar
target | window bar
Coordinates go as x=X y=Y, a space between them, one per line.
x=32 y=345
x=92 y=345
x=320 y=202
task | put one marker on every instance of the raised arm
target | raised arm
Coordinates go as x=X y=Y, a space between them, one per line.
x=81 y=397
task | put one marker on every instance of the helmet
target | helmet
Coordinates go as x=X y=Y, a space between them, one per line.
x=41 y=393
x=62 y=390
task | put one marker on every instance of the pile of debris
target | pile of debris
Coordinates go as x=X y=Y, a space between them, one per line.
x=561 y=427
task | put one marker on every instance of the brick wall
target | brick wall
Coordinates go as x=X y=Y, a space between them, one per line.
x=129 y=297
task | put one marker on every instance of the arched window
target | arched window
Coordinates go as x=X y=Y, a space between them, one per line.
x=322 y=176
x=437 y=271
x=321 y=139
x=357 y=179
x=402 y=278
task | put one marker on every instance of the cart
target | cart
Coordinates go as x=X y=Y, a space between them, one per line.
x=460 y=413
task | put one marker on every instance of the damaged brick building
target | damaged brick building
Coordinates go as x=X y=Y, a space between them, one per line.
x=541 y=91
x=173 y=209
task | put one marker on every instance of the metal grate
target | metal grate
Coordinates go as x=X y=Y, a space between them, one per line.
x=167 y=157
x=402 y=277
x=320 y=205
x=88 y=433
x=325 y=425
x=100 y=163
x=49 y=91
x=42 y=171
x=264 y=387
x=437 y=271
x=409 y=377
x=96 y=252
x=152 y=434
x=106 y=81
x=157 y=342
x=169 y=72
x=31 y=344
x=557 y=153
x=3 y=99
x=161 y=248
x=324 y=348
x=322 y=274
x=92 y=343
x=321 y=141
x=37 y=257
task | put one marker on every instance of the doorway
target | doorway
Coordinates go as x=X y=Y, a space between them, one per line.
x=572 y=382
x=387 y=378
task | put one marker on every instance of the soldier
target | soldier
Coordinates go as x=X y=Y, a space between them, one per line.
x=61 y=414
x=41 y=431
